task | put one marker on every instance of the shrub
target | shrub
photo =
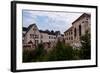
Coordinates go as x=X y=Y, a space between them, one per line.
x=28 y=55
x=61 y=52
x=34 y=55
x=85 y=52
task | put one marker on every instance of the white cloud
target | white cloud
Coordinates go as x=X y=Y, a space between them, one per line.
x=55 y=20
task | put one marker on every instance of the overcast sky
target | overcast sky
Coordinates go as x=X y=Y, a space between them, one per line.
x=57 y=21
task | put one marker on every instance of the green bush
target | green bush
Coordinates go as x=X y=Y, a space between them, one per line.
x=39 y=53
x=85 y=52
x=28 y=55
x=61 y=52
x=76 y=53
x=34 y=55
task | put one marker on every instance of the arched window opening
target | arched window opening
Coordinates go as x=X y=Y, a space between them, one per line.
x=75 y=32
x=80 y=30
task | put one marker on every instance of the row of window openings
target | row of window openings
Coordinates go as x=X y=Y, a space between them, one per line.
x=75 y=33
x=37 y=36
x=34 y=36
x=50 y=37
x=75 y=30
x=69 y=33
x=69 y=38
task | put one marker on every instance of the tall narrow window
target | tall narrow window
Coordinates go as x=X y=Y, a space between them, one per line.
x=69 y=33
x=75 y=32
x=79 y=30
x=71 y=38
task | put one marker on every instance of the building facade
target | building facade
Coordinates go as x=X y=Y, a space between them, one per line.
x=78 y=28
x=32 y=36
x=68 y=36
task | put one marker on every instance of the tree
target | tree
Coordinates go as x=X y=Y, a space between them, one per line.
x=39 y=53
x=34 y=55
x=28 y=55
x=86 y=46
x=61 y=52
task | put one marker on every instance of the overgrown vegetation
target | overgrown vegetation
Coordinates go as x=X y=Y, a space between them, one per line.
x=60 y=52
x=34 y=55
x=85 y=52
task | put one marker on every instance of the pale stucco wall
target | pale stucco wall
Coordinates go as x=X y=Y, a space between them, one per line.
x=84 y=26
x=31 y=31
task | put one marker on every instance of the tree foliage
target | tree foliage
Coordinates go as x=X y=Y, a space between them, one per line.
x=61 y=52
x=86 y=46
x=28 y=55
x=34 y=55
